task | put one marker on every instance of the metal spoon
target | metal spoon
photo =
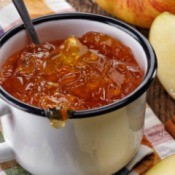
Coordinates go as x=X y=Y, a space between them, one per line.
x=22 y=10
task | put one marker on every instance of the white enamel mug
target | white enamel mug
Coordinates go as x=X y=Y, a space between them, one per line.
x=93 y=142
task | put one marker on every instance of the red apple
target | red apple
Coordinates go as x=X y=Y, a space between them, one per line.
x=137 y=12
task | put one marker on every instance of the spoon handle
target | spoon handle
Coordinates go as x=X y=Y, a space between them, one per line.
x=22 y=10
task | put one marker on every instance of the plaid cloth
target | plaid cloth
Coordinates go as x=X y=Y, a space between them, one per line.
x=157 y=142
x=9 y=17
x=157 y=138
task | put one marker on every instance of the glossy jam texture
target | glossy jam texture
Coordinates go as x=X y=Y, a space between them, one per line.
x=77 y=73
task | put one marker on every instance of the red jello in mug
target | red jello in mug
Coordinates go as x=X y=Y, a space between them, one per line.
x=72 y=74
x=89 y=75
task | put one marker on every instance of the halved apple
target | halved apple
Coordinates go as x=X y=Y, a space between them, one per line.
x=164 y=167
x=162 y=38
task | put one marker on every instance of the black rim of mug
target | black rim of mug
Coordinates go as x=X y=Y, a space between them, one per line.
x=149 y=76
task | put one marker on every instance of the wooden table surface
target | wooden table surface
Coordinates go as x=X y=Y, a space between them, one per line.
x=160 y=102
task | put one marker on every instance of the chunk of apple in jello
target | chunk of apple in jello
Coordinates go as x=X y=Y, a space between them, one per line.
x=68 y=53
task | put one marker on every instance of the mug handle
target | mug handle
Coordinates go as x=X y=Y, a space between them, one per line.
x=6 y=153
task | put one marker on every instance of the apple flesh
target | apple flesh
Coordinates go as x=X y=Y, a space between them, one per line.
x=137 y=12
x=162 y=38
x=164 y=167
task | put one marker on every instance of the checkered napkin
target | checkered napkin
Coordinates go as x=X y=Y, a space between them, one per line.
x=157 y=142
x=161 y=143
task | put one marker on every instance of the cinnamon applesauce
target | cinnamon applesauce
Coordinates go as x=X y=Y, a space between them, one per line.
x=76 y=73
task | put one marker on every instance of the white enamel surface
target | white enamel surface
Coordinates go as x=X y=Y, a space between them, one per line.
x=100 y=145
x=6 y=152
